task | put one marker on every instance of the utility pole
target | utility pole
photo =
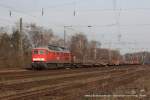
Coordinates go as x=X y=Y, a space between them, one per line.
x=42 y=11
x=20 y=42
x=65 y=35
x=143 y=56
x=109 y=54
x=20 y=36
x=95 y=43
x=20 y=25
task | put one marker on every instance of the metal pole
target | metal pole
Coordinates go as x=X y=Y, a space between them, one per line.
x=21 y=45
x=143 y=58
x=64 y=36
x=21 y=36
x=109 y=54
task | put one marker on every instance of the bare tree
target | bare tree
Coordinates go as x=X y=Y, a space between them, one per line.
x=93 y=46
x=39 y=36
x=79 y=46
x=5 y=48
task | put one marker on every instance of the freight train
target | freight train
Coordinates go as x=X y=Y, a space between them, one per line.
x=60 y=57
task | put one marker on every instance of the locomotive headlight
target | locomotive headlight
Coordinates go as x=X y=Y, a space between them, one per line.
x=42 y=59
x=38 y=59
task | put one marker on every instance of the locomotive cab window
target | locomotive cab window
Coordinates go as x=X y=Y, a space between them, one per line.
x=35 y=51
x=41 y=51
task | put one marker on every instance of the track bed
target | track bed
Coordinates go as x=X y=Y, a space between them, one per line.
x=68 y=84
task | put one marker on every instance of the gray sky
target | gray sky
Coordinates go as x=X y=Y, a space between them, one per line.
x=130 y=20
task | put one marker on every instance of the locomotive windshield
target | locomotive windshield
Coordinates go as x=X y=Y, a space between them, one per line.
x=35 y=51
x=38 y=52
x=41 y=51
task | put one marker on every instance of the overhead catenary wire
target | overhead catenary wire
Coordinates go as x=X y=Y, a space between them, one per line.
x=75 y=8
x=115 y=8
x=11 y=9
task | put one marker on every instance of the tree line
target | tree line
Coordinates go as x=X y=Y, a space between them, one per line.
x=35 y=36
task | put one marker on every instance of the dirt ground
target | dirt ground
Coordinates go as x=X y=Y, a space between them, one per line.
x=107 y=83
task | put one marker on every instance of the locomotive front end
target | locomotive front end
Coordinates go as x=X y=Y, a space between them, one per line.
x=39 y=58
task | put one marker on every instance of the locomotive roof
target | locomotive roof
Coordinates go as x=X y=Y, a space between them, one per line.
x=57 y=48
x=41 y=48
x=54 y=48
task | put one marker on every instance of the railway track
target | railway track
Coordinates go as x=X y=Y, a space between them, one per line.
x=19 y=74
x=29 y=82
x=28 y=88
x=105 y=86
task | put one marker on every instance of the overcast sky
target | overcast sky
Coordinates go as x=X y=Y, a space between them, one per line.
x=130 y=21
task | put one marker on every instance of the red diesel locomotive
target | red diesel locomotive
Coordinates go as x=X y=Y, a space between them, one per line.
x=52 y=56
x=56 y=57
